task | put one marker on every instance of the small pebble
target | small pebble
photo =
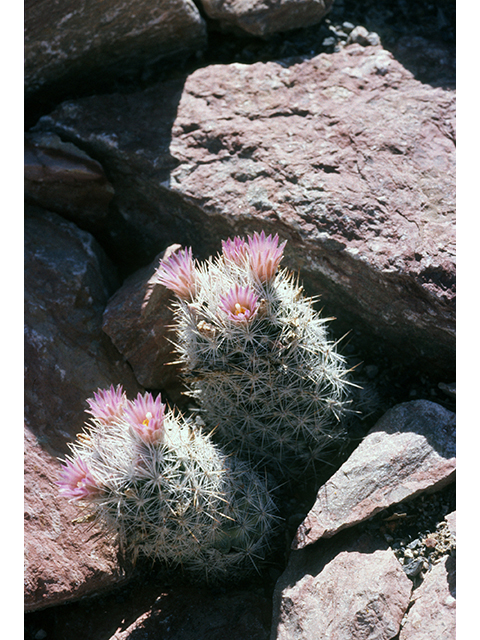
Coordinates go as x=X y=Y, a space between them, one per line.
x=348 y=26
x=413 y=568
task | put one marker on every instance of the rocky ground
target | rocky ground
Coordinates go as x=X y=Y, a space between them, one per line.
x=90 y=253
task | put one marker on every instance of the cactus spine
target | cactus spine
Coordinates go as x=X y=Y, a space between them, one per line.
x=166 y=491
x=256 y=355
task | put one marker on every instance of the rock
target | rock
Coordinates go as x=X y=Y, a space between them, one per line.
x=452 y=523
x=63 y=560
x=363 y=36
x=62 y=178
x=87 y=44
x=341 y=589
x=449 y=389
x=137 y=319
x=68 y=280
x=411 y=449
x=259 y=18
x=431 y=60
x=345 y=155
x=433 y=611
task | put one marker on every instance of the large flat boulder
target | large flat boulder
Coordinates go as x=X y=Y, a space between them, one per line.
x=346 y=155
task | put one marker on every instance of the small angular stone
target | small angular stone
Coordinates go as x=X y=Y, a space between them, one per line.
x=411 y=449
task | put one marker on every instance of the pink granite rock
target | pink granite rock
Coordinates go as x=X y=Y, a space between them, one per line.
x=262 y=19
x=138 y=319
x=345 y=155
x=63 y=560
x=341 y=590
x=433 y=612
x=411 y=449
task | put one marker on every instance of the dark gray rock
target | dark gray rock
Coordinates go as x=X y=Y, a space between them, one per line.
x=64 y=179
x=81 y=42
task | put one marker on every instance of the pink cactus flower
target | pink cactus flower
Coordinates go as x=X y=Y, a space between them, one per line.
x=234 y=249
x=265 y=255
x=146 y=417
x=178 y=273
x=107 y=404
x=240 y=304
x=76 y=481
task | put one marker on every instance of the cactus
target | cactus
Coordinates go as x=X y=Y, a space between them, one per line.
x=256 y=355
x=156 y=482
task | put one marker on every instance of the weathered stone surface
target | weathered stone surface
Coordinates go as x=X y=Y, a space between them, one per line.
x=346 y=155
x=433 y=612
x=68 y=280
x=76 y=41
x=138 y=319
x=260 y=18
x=341 y=589
x=64 y=179
x=63 y=560
x=411 y=449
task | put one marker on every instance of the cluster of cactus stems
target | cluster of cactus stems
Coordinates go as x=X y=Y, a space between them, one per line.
x=165 y=491
x=256 y=356
x=270 y=385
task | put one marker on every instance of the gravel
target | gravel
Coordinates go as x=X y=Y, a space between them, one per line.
x=417 y=531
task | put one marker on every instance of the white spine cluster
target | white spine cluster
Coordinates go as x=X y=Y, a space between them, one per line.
x=257 y=358
x=178 y=499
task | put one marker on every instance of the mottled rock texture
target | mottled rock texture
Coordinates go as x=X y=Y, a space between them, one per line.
x=411 y=449
x=260 y=18
x=76 y=42
x=68 y=280
x=346 y=155
x=349 y=588
x=63 y=560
